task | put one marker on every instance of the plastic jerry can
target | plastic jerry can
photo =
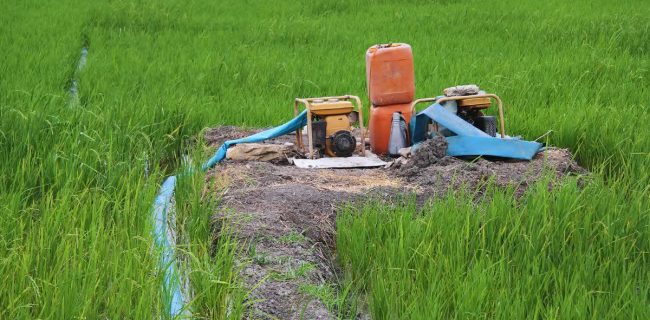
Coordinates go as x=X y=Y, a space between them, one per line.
x=389 y=74
x=381 y=118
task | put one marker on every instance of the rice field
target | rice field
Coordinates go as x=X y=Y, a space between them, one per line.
x=79 y=175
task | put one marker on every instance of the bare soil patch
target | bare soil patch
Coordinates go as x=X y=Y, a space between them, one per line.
x=286 y=215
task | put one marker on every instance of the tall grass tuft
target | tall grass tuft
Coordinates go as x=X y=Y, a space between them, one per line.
x=570 y=253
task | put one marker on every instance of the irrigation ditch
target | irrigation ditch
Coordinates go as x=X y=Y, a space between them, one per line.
x=175 y=288
x=74 y=84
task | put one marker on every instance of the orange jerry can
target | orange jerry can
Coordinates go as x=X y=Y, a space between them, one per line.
x=390 y=74
x=381 y=118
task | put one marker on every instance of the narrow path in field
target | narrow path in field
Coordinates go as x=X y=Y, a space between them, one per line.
x=286 y=219
x=176 y=284
x=74 y=85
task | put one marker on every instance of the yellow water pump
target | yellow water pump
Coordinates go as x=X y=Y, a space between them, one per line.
x=329 y=125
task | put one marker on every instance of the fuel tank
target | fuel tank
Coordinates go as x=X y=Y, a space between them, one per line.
x=391 y=87
x=381 y=118
x=389 y=73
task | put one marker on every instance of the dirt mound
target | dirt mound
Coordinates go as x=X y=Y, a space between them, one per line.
x=428 y=153
x=434 y=173
x=286 y=215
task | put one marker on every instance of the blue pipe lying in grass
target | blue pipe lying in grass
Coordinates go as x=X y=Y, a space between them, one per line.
x=173 y=299
x=74 y=86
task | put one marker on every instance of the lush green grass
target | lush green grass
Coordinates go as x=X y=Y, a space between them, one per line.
x=580 y=69
x=206 y=258
x=74 y=232
x=570 y=253
x=75 y=235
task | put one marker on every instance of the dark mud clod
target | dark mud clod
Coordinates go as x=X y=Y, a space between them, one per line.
x=427 y=153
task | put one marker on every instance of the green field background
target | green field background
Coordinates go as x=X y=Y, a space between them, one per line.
x=75 y=200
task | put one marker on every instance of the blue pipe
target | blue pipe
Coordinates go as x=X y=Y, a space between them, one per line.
x=173 y=296
x=469 y=141
x=294 y=124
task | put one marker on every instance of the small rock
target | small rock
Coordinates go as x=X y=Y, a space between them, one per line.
x=405 y=152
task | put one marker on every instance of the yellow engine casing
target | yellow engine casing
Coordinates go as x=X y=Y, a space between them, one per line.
x=336 y=114
x=335 y=124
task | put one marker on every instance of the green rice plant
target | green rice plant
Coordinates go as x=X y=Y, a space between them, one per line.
x=207 y=255
x=78 y=181
x=341 y=303
x=575 y=252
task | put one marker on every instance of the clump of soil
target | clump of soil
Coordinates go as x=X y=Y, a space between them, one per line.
x=434 y=173
x=286 y=215
x=428 y=153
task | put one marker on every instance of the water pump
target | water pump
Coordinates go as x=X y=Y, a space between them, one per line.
x=329 y=126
